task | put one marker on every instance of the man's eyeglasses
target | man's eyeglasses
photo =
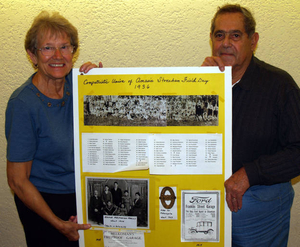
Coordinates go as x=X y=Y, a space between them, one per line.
x=50 y=50
x=233 y=35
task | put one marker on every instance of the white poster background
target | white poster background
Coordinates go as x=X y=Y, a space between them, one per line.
x=152 y=70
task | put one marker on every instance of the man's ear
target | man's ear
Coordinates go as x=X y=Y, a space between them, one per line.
x=254 y=41
x=32 y=57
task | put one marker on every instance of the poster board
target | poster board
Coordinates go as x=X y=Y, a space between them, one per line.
x=163 y=135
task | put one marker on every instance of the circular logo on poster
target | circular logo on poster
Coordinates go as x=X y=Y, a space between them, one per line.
x=167 y=194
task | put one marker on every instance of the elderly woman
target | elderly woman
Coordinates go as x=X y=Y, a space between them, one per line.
x=39 y=132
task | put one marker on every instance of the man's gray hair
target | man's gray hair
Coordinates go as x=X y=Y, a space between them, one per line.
x=249 y=21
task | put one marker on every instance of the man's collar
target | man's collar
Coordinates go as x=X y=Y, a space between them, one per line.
x=246 y=82
x=236 y=83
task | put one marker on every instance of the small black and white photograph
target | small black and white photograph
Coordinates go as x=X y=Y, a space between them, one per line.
x=119 y=203
x=193 y=110
x=142 y=110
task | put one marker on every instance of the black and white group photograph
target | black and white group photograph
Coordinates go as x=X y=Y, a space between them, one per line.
x=117 y=197
x=143 y=110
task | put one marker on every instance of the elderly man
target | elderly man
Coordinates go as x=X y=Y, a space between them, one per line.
x=266 y=133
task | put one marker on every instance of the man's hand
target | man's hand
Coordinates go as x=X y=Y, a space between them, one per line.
x=86 y=67
x=236 y=187
x=214 y=61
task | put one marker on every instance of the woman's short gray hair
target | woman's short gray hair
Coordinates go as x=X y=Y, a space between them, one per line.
x=55 y=24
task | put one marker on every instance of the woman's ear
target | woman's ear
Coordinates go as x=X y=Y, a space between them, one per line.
x=33 y=57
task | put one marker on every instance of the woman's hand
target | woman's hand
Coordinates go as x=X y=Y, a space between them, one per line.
x=18 y=179
x=86 y=67
x=70 y=228
x=73 y=219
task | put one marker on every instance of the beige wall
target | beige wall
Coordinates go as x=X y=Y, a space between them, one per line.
x=137 y=33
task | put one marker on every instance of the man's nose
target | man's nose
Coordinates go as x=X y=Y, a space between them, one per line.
x=227 y=40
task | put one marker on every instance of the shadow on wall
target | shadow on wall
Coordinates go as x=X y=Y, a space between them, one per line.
x=296 y=180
